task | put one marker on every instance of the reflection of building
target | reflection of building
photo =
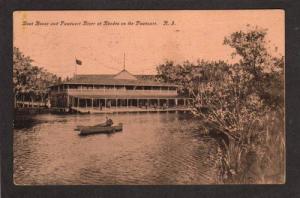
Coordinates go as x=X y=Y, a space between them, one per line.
x=110 y=91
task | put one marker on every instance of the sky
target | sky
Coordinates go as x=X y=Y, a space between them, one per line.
x=54 y=44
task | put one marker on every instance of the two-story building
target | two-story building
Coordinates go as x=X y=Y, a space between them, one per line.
x=122 y=90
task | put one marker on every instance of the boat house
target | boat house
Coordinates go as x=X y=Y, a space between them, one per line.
x=120 y=92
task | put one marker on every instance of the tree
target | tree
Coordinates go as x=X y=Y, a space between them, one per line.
x=237 y=99
x=21 y=71
x=265 y=71
x=29 y=80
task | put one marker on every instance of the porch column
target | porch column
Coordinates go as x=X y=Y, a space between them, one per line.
x=92 y=101
x=176 y=102
x=85 y=103
x=148 y=104
x=72 y=102
x=68 y=101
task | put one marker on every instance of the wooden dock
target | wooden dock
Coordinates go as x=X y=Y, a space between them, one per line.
x=127 y=110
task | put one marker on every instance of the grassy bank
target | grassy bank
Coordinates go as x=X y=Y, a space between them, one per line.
x=258 y=156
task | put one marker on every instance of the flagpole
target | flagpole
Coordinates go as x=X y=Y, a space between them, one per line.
x=75 y=68
x=124 y=62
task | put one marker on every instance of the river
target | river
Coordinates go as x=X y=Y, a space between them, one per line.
x=153 y=148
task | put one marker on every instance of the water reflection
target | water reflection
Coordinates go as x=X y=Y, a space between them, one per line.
x=154 y=148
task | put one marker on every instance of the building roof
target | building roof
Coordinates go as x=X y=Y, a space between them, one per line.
x=121 y=78
x=124 y=75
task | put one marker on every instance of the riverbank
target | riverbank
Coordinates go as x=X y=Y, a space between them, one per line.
x=257 y=156
x=94 y=110
x=31 y=110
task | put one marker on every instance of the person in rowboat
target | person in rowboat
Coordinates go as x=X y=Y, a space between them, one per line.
x=109 y=122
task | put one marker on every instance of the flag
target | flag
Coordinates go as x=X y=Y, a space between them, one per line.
x=78 y=62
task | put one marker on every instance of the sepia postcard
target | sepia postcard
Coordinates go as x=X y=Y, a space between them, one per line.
x=152 y=97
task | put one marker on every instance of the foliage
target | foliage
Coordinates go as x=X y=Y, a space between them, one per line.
x=29 y=80
x=238 y=100
x=265 y=71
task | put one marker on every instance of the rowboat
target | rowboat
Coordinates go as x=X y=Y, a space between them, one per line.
x=101 y=129
x=80 y=127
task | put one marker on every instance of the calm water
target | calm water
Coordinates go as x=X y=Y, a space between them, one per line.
x=154 y=148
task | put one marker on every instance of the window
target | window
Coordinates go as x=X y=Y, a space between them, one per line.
x=129 y=87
